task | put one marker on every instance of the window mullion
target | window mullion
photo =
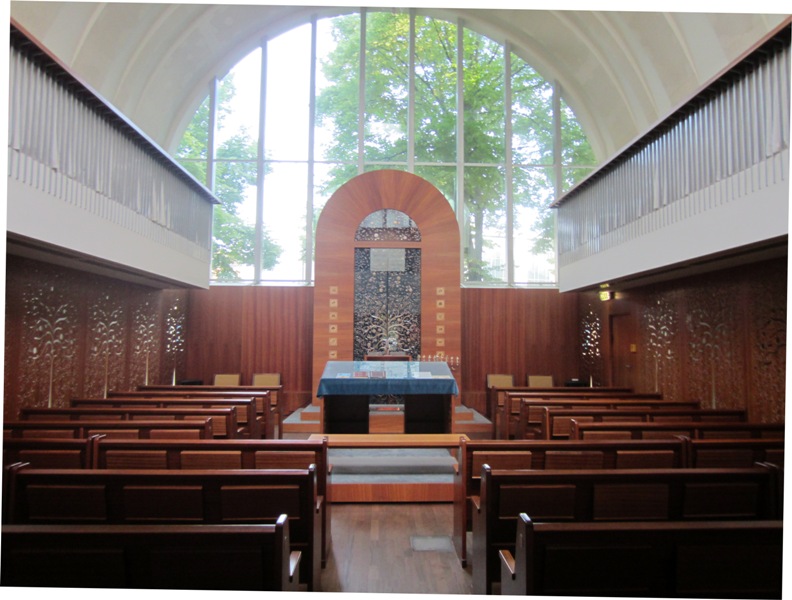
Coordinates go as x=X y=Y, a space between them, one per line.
x=509 y=164
x=362 y=92
x=258 y=242
x=411 y=97
x=308 y=265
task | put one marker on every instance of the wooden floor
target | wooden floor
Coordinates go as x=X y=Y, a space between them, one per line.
x=394 y=548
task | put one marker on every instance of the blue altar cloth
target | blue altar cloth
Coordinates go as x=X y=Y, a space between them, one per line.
x=375 y=378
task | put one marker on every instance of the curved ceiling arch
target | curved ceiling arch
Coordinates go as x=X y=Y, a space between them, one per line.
x=620 y=72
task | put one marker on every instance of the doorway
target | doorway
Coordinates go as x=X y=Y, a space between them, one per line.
x=623 y=351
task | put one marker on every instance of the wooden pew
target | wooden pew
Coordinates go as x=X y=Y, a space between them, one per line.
x=224 y=420
x=531 y=409
x=266 y=396
x=167 y=497
x=225 y=454
x=249 y=423
x=137 y=429
x=507 y=412
x=50 y=453
x=556 y=422
x=181 y=557
x=693 y=430
x=720 y=453
x=542 y=454
x=496 y=395
x=611 y=495
x=701 y=559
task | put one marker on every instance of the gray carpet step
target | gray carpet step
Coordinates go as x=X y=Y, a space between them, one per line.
x=391 y=461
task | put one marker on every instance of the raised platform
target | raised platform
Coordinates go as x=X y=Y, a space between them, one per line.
x=391 y=467
x=386 y=419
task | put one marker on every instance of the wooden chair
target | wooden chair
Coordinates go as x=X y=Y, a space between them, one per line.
x=542 y=381
x=496 y=397
x=266 y=379
x=227 y=379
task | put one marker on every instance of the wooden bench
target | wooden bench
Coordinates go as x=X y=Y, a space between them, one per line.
x=496 y=394
x=267 y=403
x=225 y=454
x=168 y=497
x=701 y=559
x=555 y=423
x=507 y=411
x=224 y=420
x=250 y=424
x=529 y=421
x=542 y=454
x=693 y=430
x=611 y=495
x=720 y=453
x=181 y=557
x=137 y=429
x=50 y=453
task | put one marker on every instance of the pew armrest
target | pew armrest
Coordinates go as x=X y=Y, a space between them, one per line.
x=475 y=503
x=294 y=566
x=508 y=569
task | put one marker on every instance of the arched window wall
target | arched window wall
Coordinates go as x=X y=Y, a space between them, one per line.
x=307 y=110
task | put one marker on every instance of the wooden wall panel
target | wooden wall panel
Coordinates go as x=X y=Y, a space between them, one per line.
x=247 y=330
x=519 y=332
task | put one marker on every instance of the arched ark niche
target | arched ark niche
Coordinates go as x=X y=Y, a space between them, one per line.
x=336 y=247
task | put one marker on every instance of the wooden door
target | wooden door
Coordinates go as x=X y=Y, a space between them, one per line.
x=623 y=351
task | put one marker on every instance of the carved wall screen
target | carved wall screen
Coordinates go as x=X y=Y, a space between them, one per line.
x=387 y=271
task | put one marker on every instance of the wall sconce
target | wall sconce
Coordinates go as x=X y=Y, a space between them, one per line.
x=605 y=295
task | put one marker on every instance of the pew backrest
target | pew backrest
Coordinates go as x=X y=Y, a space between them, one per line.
x=690 y=429
x=250 y=423
x=739 y=453
x=50 y=453
x=115 y=429
x=529 y=421
x=224 y=420
x=205 y=497
x=613 y=495
x=555 y=422
x=721 y=559
x=544 y=454
x=186 y=557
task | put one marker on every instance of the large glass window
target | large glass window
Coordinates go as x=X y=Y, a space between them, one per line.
x=385 y=89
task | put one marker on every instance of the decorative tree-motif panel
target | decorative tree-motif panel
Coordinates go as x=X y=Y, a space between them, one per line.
x=591 y=343
x=387 y=302
x=768 y=347
x=48 y=343
x=105 y=359
x=658 y=323
x=716 y=375
x=73 y=334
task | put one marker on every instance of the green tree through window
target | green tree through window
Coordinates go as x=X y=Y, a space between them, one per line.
x=494 y=151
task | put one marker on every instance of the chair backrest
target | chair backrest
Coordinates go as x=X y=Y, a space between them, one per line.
x=500 y=380
x=227 y=379
x=540 y=381
x=266 y=379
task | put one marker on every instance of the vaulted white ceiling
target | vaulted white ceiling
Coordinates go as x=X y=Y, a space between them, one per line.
x=621 y=72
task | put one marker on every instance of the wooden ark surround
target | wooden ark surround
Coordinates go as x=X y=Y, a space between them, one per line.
x=334 y=290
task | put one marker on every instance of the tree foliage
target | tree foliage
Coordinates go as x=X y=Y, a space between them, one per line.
x=233 y=240
x=435 y=129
